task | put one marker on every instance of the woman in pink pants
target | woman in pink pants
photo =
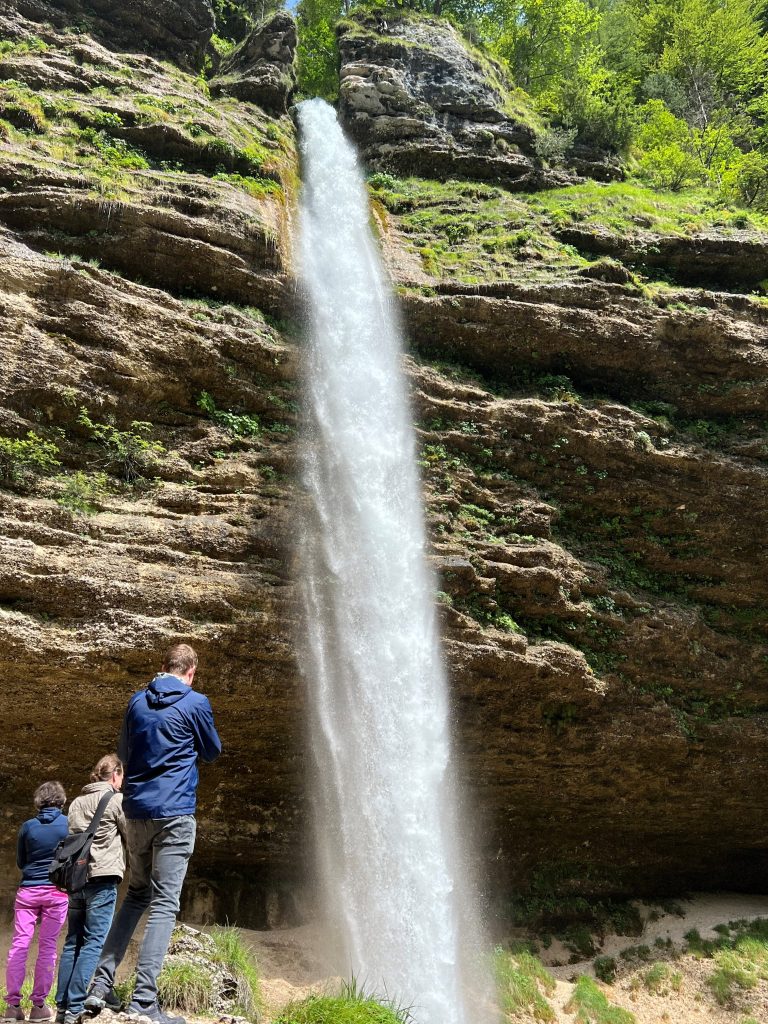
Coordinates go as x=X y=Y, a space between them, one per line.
x=37 y=902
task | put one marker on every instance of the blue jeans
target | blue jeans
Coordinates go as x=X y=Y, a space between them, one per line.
x=88 y=920
x=158 y=850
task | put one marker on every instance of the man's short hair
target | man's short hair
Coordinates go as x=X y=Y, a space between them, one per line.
x=50 y=794
x=179 y=659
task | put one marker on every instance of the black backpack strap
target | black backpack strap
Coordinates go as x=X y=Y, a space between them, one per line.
x=98 y=814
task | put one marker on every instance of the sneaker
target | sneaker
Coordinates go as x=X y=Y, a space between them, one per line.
x=13 y=1012
x=72 y=1018
x=153 y=1013
x=60 y=1015
x=40 y=1012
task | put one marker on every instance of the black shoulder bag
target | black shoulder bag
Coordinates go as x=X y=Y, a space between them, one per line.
x=69 y=867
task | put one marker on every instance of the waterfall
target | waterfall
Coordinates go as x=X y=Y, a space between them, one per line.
x=389 y=856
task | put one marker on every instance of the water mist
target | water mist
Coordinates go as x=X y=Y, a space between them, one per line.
x=389 y=853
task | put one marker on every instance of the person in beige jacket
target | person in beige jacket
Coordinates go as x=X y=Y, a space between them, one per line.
x=91 y=909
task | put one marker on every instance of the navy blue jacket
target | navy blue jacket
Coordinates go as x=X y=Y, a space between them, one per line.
x=167 y=727
x=38 y=838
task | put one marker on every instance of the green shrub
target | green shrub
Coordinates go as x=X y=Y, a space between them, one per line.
x=17 y=47
x=239 y=424
x=83 y=491
x=23 y=457
x=590 y=1006
x=523 y=982
x=745 y=181
x=656 y=978
x=605 y=969
x=352 y=1006
x=130 y=453
x=117 y=153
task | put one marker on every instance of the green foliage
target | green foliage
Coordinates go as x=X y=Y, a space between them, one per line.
x=540 y=40
x=239 y=424
x=130 y=454
x=235 y=18
x=116 y=153
x=187 y=987
x=605 y=969
x=740 y=954
x=590 y=1006
x=745 y=181
x=255 y=186
x=19 y=47
x=22 y=458
x=317 y=54
x=351 y=1006
x=83 y=491
x=659 y=978
x=523 y=982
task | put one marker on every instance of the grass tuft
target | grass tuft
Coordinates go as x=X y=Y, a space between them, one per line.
x=523 y=982
x=590 y=1005
x=237 y=959
x=352 y=1006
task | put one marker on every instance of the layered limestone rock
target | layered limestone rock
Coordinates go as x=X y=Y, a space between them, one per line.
x=593 y=447
x=261 y=69
x=180 y=29
x=420 y=99
x=418 y=102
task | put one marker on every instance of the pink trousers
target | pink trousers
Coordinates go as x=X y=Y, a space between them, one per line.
x=35 y=904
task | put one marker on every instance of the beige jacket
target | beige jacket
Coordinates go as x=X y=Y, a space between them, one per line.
x=108 y=847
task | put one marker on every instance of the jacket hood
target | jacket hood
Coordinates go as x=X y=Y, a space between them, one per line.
x=165 y=690
x=98 y=787
x=48 y=814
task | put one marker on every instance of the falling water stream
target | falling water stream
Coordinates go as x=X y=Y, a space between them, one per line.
x=389 y=851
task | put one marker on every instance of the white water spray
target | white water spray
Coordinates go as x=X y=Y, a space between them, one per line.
x=385 y=816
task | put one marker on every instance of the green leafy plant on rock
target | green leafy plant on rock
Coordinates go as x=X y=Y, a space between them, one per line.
x=130 y=454
x=21 y=458
x=238 y=423
x=82 y=492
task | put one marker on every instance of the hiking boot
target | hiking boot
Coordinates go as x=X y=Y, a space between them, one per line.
x=113 y=1002
x=96 y=999
x=40 y=1012
x=13 y=1012
x=60 y=1015
x=153 y=1013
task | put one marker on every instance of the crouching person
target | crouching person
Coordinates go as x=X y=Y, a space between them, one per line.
x=91 y=909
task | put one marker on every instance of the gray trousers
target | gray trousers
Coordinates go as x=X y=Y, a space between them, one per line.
x=159 y=850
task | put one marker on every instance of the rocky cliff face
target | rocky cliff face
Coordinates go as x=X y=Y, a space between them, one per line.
x=593 y=447
x=419 y=99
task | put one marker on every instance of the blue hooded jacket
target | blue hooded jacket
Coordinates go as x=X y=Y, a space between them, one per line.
x=167 y=727
x=37 y=840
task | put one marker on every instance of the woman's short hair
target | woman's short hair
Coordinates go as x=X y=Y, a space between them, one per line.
x=50 y=794
x=105 y=768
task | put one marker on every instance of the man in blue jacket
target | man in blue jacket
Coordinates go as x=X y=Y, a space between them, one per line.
x=167 y=728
